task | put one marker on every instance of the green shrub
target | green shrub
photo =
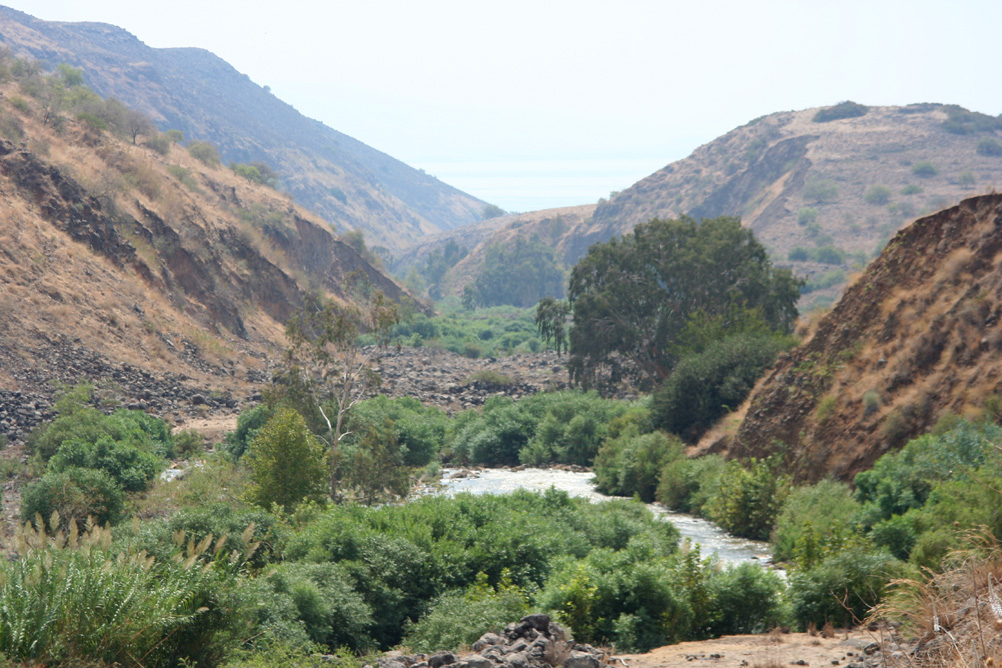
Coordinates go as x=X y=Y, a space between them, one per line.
x=829 y=254
x=249 y=423
x=688 y=485
x=570 y=426
x=847 y=109
x=989 y=147
x=820 y=190
x=871 y=402
x=458 y=619
x=287 y=462
x=904 y=479
x=878 y=195
x=798 y=254
x=843 y=588
x=817 y=507
x=911 y=189
x=631 y=464
x=183 y=175
x=705 y=386
x=419 y=429
x=924 y=169
x=189 y=443
x=402 y=557
x=159 y=143
x=75 y=494
x=318 y=600
x=746 y=599
x=130 y=467
x=748 y=499
x=807 y=215
x=205 y=153
x=966 y=179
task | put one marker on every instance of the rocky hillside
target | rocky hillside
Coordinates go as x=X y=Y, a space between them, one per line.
x=349 y=184
x=168 y=279
x=822 y=195
x=917 y=337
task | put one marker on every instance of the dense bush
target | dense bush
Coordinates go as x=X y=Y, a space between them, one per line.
x=703 y=387
x=819 y=507
x=75 y=494
x=249 y=423
x=76 y=420
x=904 y=479
x=570 y=428
x=847 y=109
x=688 y=485
x=457 y=329
x=459 y=618
x=878 y=195
x=925 y=169
x=631 y=464
x=310 y=603
x=566 y=426
x=989 y=147
x=842 y=588
x=130 y=467
x=746 y=599
x=400 y=558
x=749 y=498
x=820 y=190
x=639 y=598
x=288 y=463
x=419 y=429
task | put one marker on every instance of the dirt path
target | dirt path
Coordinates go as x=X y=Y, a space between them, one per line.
x=769 y=650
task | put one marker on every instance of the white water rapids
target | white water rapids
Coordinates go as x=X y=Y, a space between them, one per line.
x=712 y=539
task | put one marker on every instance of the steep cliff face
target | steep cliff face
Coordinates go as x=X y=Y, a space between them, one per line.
x=917 y=336
x=349 y=184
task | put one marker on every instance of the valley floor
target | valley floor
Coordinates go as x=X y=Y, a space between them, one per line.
x=767 y=650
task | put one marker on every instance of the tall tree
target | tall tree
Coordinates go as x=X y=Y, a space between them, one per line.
x=551 y=321
x=632 y=296
x=327 y=360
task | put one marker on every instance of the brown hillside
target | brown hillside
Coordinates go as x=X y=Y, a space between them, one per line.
x=846 y=185
x=349 y=184
x=918 y=336
x=171 y=278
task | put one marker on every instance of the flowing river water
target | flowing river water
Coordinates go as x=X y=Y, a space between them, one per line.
x=712 y=539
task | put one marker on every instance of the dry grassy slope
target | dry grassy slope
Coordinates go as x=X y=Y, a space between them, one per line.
x=759 y=171
x=920 y=331
x=100 y=243
x=341 y=179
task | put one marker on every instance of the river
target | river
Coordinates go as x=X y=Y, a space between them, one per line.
x=712 y=539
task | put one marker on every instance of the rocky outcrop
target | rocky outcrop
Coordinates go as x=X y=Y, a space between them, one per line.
x=535 y=641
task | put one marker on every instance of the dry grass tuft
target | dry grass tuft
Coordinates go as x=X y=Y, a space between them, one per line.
x=955 y=615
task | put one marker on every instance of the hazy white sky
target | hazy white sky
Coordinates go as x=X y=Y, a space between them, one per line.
x=534 y=104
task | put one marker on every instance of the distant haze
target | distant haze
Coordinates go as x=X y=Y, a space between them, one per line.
x=535 y=105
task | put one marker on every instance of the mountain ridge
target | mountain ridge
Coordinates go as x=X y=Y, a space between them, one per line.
x=348 y=183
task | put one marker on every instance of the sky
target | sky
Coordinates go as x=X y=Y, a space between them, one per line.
x=538 y=104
